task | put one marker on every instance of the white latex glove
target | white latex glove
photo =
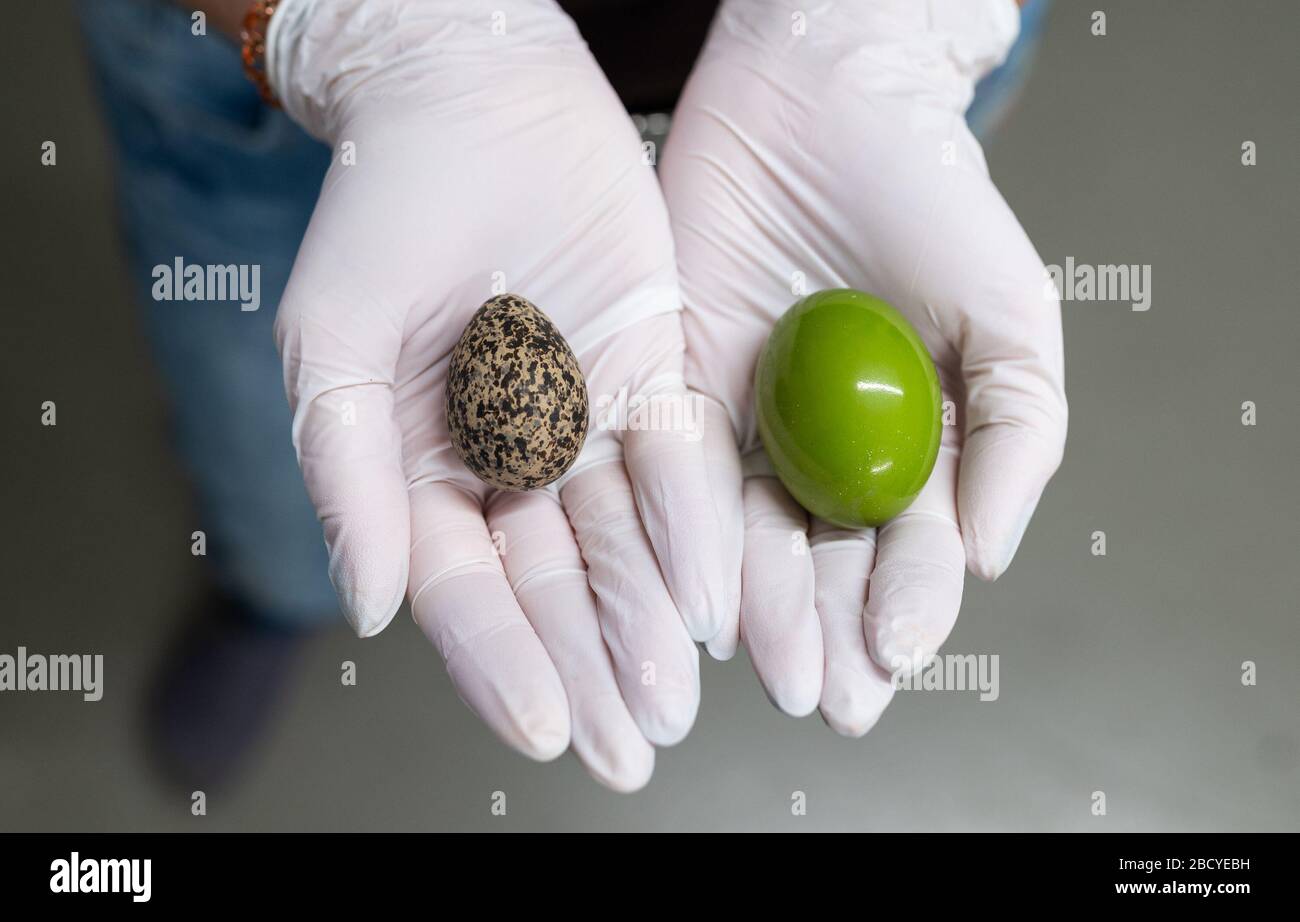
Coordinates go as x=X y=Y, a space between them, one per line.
x=830 y=141
x=487 y=141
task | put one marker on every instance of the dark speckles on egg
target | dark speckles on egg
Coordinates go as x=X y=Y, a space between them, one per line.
x=516 y=399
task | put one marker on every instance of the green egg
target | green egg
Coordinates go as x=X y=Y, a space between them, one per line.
x=849 y=407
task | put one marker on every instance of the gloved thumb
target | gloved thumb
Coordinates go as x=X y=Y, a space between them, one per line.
x=1004 y=469
x=339 y=345
x=1016 y=419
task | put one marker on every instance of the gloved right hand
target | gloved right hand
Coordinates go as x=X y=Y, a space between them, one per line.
x=486 y=145
x=829 y=145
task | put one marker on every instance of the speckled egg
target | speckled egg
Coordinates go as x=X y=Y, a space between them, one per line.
x=516 y=399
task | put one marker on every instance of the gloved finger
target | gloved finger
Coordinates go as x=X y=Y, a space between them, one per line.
x=664 y=453
x=778 y=614
x=726 y=485
x=463 y=603
x=655 y=662
x=855 y=691
x=349 y=449
x=916 y=586
x=535 y=542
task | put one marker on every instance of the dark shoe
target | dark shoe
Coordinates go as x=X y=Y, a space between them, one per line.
x=216 y=691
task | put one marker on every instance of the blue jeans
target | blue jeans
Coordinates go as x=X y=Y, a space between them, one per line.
x=207 y=173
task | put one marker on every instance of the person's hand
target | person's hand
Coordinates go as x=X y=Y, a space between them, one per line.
x=828 y=149
x=477 y=146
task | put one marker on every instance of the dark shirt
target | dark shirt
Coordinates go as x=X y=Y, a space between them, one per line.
x=645 y=47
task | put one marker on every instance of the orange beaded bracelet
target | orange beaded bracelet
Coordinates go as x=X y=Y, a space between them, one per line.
x=253 y=50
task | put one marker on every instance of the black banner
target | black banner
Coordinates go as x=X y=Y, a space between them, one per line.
x=333 y=871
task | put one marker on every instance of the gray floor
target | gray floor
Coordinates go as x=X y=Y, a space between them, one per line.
x=1119 y=674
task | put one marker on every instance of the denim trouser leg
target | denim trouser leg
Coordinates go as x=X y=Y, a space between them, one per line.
x=207 y=173
x=997 y=92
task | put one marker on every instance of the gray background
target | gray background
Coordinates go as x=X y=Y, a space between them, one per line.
x=1119 y=674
